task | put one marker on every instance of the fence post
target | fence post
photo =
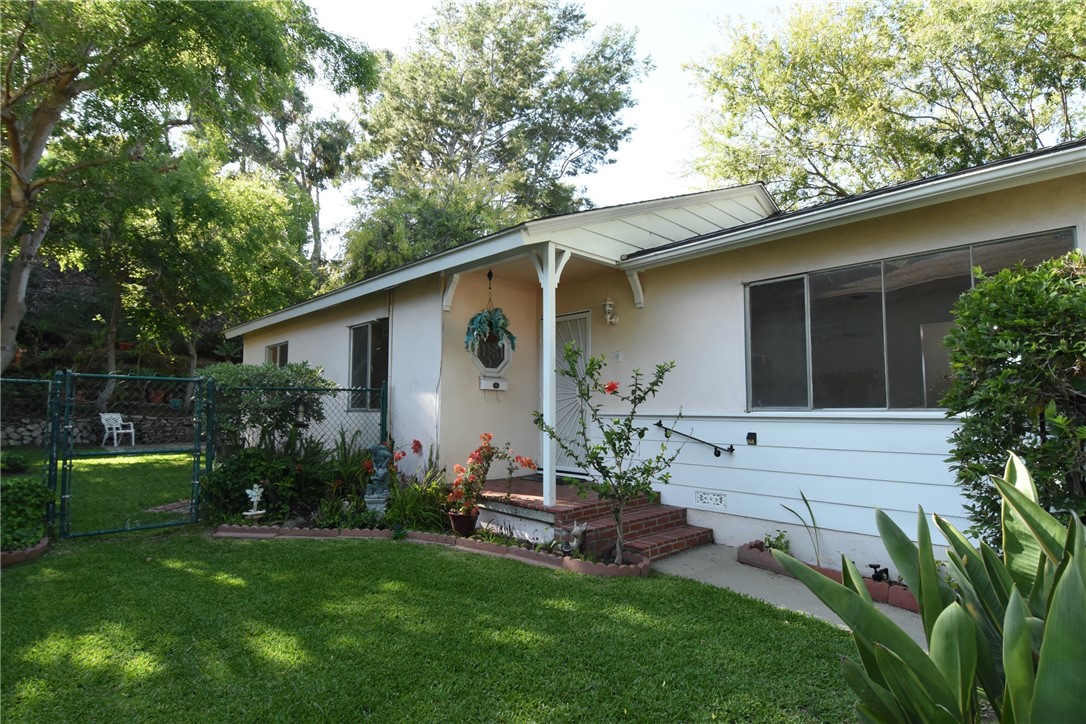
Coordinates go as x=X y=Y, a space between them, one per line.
x=384 y=411
x=209 y=431
x=56 y=385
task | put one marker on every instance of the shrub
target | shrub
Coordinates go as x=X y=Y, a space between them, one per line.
x=619 y=472
x=264 y=399
x=1013 y=626
x=1018 y=365
x=23 y=502
x=420 y=504
x=14 y=463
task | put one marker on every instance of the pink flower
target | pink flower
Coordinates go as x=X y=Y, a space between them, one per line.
x=458 y=468
x=416 y=447
x=611 y=388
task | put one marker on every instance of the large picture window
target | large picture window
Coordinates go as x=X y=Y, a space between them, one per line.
x=870 y=335
x=369 y=363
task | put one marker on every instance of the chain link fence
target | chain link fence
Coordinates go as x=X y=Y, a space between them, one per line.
x=24 y=412
x=280 y=418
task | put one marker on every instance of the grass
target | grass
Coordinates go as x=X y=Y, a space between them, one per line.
x=175 y=626
x=117 y=491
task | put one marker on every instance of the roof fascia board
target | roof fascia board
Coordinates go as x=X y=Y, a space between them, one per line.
x=462 y=258
x=613 y=213
x=981 y=181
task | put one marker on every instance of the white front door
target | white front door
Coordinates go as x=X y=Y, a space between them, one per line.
x=568 y=411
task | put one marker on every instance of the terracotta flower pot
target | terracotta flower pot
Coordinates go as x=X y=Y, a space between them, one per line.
x=463 y=525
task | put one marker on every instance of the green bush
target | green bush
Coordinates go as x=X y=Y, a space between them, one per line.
x=293 y=484
x=420 y=504
x=1018 y=365
x=14 y=463
x=264 y=398
x=1010 y=626
x=23 y=502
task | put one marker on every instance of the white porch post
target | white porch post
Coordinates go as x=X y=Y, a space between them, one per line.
x=548 y=266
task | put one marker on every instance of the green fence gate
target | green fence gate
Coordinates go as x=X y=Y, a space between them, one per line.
x=127 y=452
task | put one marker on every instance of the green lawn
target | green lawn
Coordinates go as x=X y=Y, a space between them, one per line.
x=175 y=626
x=119 y=491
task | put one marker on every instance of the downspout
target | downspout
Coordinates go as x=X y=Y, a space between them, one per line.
x=388 y=377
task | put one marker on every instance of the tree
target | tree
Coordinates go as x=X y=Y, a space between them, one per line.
x=849 y=97
x=489 y=116
x=111 y=77
x=1018 y=365
x=617 y=471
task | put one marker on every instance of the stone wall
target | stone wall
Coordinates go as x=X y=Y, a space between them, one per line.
x=151 y=430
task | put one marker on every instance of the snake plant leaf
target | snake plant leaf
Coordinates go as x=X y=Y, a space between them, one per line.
x=1017 y=661
x=914 y=696
x=1025 y=523
x=954 y=650
x=868 y=622
x=932 y=592
x=980 y=595
x=901 y=549
x=851 y=579
x=1057 y=692
x=879 y=704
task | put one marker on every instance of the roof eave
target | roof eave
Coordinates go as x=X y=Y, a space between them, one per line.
x=974 y=183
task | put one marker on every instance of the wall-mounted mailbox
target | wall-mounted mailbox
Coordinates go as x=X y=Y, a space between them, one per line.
x=493 y=383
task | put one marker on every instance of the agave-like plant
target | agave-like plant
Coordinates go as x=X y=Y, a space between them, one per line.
x=1010 y=626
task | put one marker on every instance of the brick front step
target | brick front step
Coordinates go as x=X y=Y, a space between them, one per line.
x=651 y=529
x=670 y=542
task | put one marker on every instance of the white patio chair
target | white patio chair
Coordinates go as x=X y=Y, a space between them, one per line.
x=116 y=425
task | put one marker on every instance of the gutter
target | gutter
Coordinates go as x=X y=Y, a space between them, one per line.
x=939 y=190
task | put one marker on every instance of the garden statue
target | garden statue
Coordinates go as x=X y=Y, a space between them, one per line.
x=254 y=493
x=377 y=490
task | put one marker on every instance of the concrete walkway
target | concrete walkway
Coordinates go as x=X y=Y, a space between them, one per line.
x=717 y=566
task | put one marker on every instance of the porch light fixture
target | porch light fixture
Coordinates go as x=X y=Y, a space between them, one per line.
x=609 y=311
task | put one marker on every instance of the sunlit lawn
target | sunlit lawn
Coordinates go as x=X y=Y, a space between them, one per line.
x=175 y=626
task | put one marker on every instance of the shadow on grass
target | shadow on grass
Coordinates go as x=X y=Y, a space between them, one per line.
x=175 y=626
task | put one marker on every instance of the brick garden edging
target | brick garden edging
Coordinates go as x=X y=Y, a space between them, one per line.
x=881 y=591
x=14 y=558
x=637 y=565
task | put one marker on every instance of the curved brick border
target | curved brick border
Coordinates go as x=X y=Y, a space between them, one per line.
x=14 y=558
x=882 y=592
x=636 y=565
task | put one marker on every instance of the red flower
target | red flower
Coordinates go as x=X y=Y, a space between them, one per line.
x=400 y=455
x=367 y=465
x=416 y=447
x=611 y=388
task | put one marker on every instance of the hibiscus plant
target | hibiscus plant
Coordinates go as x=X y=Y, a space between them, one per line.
x=607 y=446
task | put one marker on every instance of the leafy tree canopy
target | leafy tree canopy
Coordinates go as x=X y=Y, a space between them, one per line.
x=484 y=121
x=847 y=97
x=97 y=82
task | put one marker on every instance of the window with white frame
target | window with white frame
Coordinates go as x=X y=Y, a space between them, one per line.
x=870 y=335
x=276 y=354
x=369 y=363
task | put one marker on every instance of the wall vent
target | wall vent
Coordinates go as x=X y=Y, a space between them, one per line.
x=708 y=499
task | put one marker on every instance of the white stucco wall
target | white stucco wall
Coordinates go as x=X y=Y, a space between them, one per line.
x=466 y=410
x=323 y=339
x=846 y=463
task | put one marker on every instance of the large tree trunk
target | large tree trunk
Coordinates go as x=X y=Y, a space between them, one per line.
x=315 y=223
x=111 y=351
x=15 y=299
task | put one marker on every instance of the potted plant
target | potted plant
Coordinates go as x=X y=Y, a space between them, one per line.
x=489 y=325
x=468 y=485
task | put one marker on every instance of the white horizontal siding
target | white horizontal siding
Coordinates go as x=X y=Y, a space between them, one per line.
x=847 y=467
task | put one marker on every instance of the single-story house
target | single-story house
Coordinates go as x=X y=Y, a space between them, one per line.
x=808 y=340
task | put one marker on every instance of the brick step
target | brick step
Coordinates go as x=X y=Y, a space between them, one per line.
x=662 y=528
x=596 y=509
x=669 y=542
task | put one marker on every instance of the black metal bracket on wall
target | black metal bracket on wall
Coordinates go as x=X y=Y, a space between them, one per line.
x=717 y=449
